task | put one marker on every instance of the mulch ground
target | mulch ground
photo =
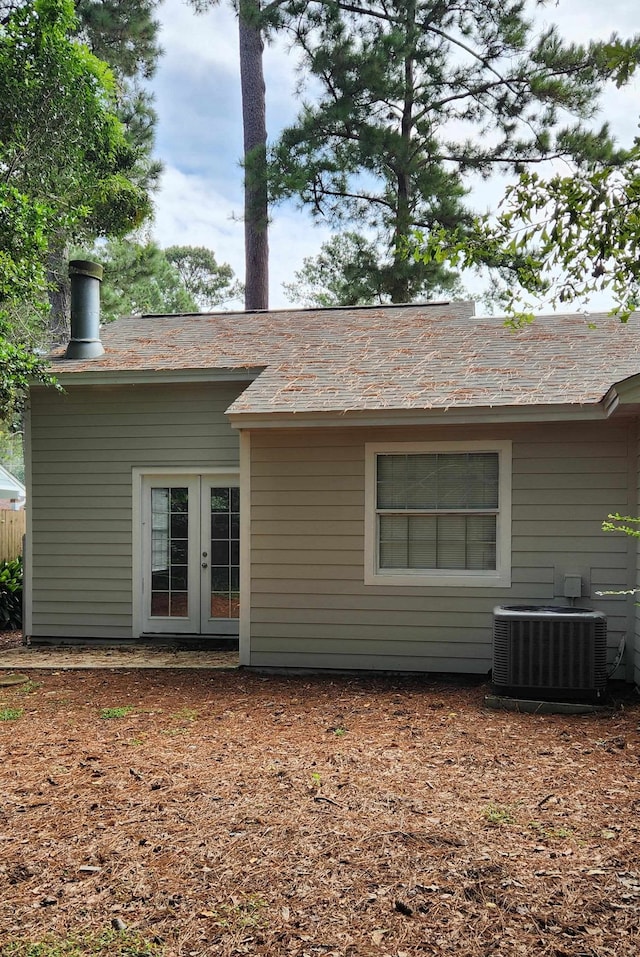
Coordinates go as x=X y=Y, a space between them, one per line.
x=10 y=639
x=230 y=813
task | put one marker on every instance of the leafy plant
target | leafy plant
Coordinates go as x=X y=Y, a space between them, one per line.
x=121 y=712
x=185 y=714
x=28 y=687
x=622 y=523
x=628 y=525
x=498 y=814
x=245 y=913
x=11 y=714
x=550 y=830
x=11 y=577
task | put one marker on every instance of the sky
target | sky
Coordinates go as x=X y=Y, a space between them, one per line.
x=199 y=134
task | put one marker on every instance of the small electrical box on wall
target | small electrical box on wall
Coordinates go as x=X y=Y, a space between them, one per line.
x=572 y=586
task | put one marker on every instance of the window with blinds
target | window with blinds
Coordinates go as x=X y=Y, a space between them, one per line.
x=437 y=510
x=438 y=513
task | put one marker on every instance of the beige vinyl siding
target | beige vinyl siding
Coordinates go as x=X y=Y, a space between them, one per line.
x=310 y=606
x=84 y=446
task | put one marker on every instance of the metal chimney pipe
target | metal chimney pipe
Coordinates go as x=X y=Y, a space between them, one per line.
x=85 y=310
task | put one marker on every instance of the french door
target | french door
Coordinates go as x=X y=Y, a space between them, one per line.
x=190 y=554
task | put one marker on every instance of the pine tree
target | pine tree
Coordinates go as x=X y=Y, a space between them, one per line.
x=253 y=25
x=350 y=271
x=209 y=283
x=124 y=34
x=561 y=238
x=416 y=95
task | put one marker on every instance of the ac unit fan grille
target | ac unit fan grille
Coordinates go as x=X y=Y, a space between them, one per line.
x=550 y=656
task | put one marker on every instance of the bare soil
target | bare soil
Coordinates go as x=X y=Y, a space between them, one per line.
x=228 y=813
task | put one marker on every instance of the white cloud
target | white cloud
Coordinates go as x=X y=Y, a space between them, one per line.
x=293 y=238
x=195 y=39
x=584 y=20
x=192 y=212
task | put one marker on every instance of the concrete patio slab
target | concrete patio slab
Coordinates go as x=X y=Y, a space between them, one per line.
x=129 y=657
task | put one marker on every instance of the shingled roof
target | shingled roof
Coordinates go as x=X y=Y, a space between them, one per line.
x=418 y=357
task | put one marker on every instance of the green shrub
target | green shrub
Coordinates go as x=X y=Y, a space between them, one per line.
x=11 y=595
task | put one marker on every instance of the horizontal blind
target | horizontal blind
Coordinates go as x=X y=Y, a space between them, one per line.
x=438 y=481
x=464 y=484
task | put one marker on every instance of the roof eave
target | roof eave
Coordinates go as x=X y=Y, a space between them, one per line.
x=460 y=415
x=144 y=376
x=623 y=396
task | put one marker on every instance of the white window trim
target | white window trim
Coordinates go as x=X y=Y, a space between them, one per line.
x=498 y=578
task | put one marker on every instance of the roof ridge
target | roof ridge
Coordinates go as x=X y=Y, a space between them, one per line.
x=283 y=310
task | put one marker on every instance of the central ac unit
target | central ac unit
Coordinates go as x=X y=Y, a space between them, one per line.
x=549 y=653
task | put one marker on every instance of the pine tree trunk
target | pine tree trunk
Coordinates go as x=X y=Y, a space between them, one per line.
x=255 y=157
x=400 y=291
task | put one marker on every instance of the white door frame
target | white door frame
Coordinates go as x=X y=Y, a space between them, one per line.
x=229 y=476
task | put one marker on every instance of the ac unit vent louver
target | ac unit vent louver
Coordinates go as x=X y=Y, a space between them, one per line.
x=549 y=653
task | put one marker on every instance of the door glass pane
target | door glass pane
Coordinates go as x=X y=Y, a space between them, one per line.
x=220 y=501
x=179 y=604
x=169 y=552
x=179 y=525
x=220 y=528
x=179 y=500
x=160 y=604
x=219 y=553
x=225 y=549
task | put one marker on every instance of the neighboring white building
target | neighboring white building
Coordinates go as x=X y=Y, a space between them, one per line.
x=12 y=492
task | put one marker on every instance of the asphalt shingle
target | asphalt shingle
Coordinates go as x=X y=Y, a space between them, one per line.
x=432 y=356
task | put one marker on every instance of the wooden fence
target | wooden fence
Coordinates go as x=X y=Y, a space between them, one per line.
x=12 y=526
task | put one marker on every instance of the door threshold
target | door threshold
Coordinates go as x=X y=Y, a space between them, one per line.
x=192 y=642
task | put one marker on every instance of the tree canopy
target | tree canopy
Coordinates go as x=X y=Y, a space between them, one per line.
x=208 y=282
x=350 y=271
x=415 y=97
x=65 y=166
x=556 y=241
x=62 y=142
x=123 y=34
x=140 y=277
x=23 y=227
